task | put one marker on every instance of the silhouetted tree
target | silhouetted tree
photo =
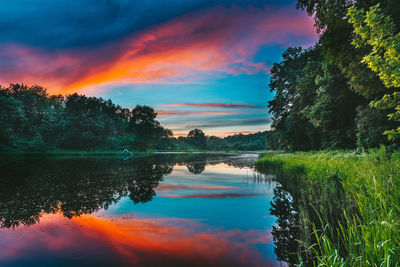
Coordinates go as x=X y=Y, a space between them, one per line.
x=146 y=129
x=197 y=138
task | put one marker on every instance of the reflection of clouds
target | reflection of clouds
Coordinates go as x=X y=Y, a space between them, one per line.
x=192 y=187
x=220 y=195
x=143 y=242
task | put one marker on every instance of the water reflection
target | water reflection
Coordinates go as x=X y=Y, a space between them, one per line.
x=286 y=232
x=139 y=242
x=29 y=188
x=162 y=210
x=302 y=208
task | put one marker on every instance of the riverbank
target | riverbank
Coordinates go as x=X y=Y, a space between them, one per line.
x=356 y=200
x=115 y=152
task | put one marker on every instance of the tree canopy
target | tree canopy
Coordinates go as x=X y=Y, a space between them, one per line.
x=33 y=120
x=375 y=30
x=342 y=92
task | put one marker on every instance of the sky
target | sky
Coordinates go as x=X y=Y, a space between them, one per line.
x=199 y=63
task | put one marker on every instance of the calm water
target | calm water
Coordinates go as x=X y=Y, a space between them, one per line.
x=163 y=210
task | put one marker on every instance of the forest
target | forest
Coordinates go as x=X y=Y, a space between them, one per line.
x=342 y=93
x=336 y=109
x=33 y=120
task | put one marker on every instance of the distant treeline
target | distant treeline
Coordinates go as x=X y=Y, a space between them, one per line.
x=197 y=140
x=343 y=92
x=32 y=120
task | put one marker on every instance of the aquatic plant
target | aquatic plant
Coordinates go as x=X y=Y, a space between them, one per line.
x=360 y=227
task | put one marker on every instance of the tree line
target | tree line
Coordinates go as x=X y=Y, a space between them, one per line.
x=344 y=91
x=197 y=140
x=33 y=120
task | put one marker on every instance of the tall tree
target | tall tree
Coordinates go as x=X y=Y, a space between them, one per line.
x=146 y=129
x=377 y=30
x=197 y=138
x=294 y=130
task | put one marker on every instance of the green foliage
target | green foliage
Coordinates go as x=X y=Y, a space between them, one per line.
x=345 y=208
x=370 y=124
x=294 y=130
x=334 y=108
x=368 y=236
x=313 y=107
x=376 y=30
x=197 y=138
x=33 y=120
x=322 y=94
x=146 y=128
x=246 y=142
x=335 y=41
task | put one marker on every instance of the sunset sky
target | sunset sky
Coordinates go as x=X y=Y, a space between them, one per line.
x=200 y=63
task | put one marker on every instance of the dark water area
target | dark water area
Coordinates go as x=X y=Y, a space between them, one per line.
x=161 y=210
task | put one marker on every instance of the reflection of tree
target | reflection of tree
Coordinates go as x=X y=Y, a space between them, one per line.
x=286 y=234
x=31 y=187
x=146 y=178
x=196 y=167
x=73 y=186
x=300 y=205
x=196 y=162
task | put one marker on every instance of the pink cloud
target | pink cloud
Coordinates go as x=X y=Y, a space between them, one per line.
x=221 y=195
x=186 y=113
x=192 y=187
x=215 y=105
x=127 y=241
x=183 y=50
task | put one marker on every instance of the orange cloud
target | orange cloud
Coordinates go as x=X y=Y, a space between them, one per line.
x=184 y=50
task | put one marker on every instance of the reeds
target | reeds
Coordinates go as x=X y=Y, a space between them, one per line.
x=361 y=225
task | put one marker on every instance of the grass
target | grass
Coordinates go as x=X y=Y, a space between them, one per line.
x=366 y=229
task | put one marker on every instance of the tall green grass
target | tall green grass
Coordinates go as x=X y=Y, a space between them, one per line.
x=360 y=228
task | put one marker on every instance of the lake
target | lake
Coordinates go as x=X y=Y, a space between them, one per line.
x=161 y=210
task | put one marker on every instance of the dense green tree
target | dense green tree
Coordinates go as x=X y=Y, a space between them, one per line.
x=254 y=141
x=377 y=30
x=294 y=130
x=33 y=120
x=335 y=40
x=12 y=119
x=146 y=129
x=313 y=106
x=336 y=30
x=26 y=108
x=371 y=124
x=90 y=121
x=197 y=138
x=272 y=141
x=334 y=108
